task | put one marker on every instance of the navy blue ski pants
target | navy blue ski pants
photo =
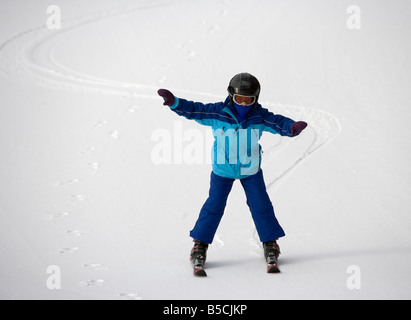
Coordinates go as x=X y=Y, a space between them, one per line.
x=258 y=201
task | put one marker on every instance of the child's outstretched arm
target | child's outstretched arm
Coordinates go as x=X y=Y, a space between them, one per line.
x=284 y=126
x=205 y=114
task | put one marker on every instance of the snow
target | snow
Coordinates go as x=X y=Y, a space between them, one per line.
x=81 y=189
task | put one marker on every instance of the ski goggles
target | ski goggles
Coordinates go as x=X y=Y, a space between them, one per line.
x=244 y=100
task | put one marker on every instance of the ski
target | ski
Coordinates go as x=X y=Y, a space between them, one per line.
x=198 y=268
x=272 y=266
x=199 y=271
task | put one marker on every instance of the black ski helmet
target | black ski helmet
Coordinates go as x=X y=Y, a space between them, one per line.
x=244 y=84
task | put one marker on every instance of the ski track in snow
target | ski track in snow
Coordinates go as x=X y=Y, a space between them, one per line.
x=32 y=52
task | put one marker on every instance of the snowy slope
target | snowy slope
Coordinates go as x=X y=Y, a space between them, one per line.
x=80 y=121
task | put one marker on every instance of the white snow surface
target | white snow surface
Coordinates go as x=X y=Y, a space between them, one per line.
x=79 y=115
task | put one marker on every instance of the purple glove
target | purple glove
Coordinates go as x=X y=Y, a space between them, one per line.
x=297 y=127
x=168 y=97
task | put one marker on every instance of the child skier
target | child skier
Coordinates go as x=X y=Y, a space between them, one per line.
x=238 y=124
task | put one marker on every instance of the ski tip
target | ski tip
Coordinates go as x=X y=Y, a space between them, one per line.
x=273 y=269
x=200 y=273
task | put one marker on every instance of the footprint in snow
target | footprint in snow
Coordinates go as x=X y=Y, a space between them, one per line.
x=92 y=283
x=77 y=198
x=190 y=55
x=59 y=215
x=161 y=79
x=133 y=109
x=131 y=296
x=68 y=250
x=95 y=266
x=69 y=182
x=213 y=29
x=94 y=166
x=74 y=233
x=100 y=124
x=87 y=150
x=114 y=134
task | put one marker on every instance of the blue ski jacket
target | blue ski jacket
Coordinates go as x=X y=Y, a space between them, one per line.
x=236 y=152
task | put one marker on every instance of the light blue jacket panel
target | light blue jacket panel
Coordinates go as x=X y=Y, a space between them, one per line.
x=236 y=152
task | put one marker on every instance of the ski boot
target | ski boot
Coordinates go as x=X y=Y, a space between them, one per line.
x=198 y=257
x=271 y=254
